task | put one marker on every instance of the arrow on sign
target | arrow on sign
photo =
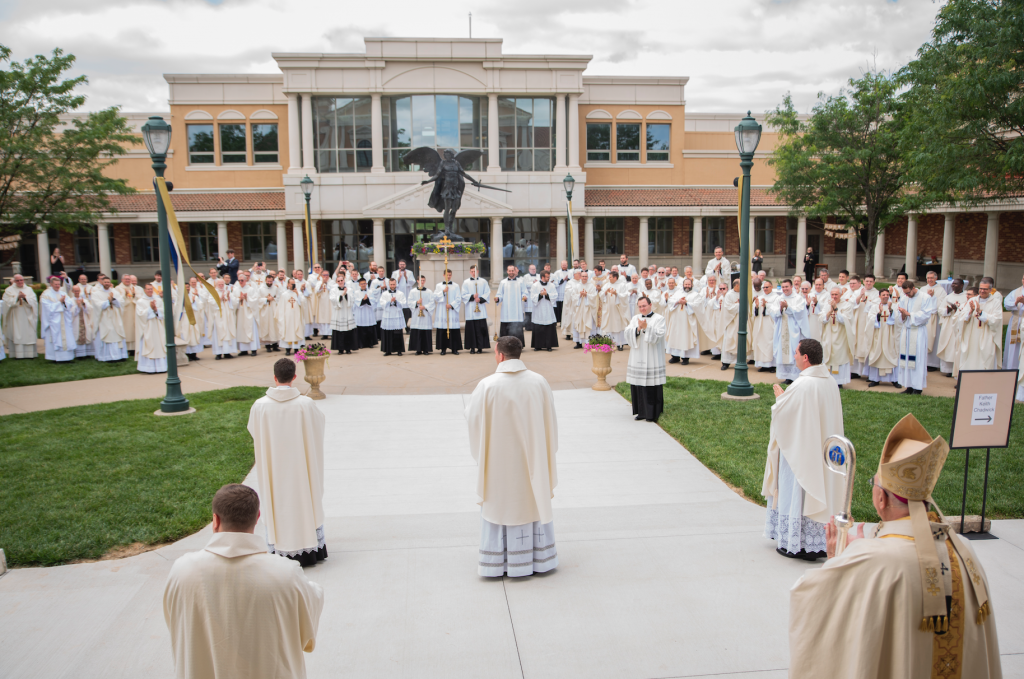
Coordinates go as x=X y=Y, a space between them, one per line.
x=983 y=419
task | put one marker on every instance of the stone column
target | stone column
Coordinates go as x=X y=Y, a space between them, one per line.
x=298 y=246
x=801 y=244
x=497 y=243
x=376 y=133
x=574 y=133
x=103 y=245
x=992 y=245
x=851 y=251
x=948 y=234
x=698 y=247
x=282 y=245
x=560 y=133
x=380 y=250
x=588 y=243
x=911 y=258
x=294 y=135
x=560 y=251
x=43 y=246
x=880 y=256
x=222 y=240
x=492 y=133
x=645 y=240
x=308 y=164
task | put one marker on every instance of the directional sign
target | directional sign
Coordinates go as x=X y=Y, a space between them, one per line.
x=983 y=411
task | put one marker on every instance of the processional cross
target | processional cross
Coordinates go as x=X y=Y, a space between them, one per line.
x=444 y=244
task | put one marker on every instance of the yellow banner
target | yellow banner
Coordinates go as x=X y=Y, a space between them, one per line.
x=175 y=231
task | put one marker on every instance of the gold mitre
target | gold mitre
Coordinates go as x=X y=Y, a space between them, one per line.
x=911 y=460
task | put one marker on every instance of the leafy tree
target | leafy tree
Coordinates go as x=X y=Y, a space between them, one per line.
x=51 y=171
x=964 y=108
x=845 y=161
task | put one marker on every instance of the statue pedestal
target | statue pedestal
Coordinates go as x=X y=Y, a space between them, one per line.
x=432 y=266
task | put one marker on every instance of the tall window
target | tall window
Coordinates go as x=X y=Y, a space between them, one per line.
x=87 y=247
x=259 y=240
x=264 y=143
x=713 y=230
x=202 y=241
x=659 y=234
x=526 y=128
x=232 y=143
x=627 y=141
x=764 y=235
x=200 y=144
x=599 y=141
x=608 y=233
x=437 y=120
x=352 y=240
x=526 y=241
x=342 y=137
x=658 y=144
x=145 y=243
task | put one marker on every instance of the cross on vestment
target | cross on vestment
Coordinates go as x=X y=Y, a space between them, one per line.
x=523 y=535
x=292 y=302
x=943 y=568
x=445 y=243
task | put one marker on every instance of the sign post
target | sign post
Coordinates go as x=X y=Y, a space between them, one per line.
x=982 y=415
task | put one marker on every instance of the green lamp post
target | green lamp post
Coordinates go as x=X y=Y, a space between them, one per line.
x=156 y=132
x=568 y=184
x=748 y=134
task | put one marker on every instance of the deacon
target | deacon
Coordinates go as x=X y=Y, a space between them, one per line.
x=56 y=323
x=421 y=303
x=232 y=609
x=802 y=494
x=911 y=601
x=513 y=437
x=448 y=303
x=981 y=322
x=512 y=297
x=681 y=338
x=645 y=370
x=475 y=291
x=392 y=302
x=343 y=322
x=288 y=436
x=543 y=294
x=914 y=310
x=837 y=336
x=150 y=351
x=1014 y=303
x=790 y=314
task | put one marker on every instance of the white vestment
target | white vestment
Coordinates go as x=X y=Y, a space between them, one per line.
x=1014 y=339
x=57 y=325
x=510 y=296
x=445 y=295
x=20 y=316
x=838 y=339
x=150 y=348
x=681 y=338
x=646 y=364
x=913 y=347
x=110 y=337
x=981 y=336
x=790 y=327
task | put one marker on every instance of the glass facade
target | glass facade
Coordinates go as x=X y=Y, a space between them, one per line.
x=526 y=134
x=526 y=241
x=342 y=139
x=439 y=121
x=712 y=233
x=348 y=239
x=764 y=235
x=608 y=236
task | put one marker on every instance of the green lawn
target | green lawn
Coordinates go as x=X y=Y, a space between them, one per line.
x=731 y=439
x=78 y=482
x=22 y=373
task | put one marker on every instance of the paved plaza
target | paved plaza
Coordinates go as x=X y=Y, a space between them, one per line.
x=663 y=571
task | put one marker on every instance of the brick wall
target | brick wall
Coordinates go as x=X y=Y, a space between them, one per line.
x=66 y=243
x=732 y=238
x=631 y=236
x=289 y=240
x=235 y=239
x=929 y=235
x=1011 y=237
x=122 y=243
x=680 y=236
x=781 y=224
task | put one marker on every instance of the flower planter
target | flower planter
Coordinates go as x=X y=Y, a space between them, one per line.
x=602 y=368
x=314 y=367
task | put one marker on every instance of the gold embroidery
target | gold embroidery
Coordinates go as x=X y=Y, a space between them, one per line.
x=972 y=570
x=948 y=648
x=932 y=581
x=901 y=537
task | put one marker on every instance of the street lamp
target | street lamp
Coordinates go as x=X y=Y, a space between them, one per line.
x=748 y=134
x=568 y=183
x=156 y=132
x=307 y=190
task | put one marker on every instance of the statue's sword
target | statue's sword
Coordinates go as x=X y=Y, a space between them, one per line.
x=485 y=186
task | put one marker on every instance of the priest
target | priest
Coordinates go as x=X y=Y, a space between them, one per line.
x=110 y=338
x=981 y=323
x=56 y=322
x=130 y=291
x=291 y=318
x=543 y=295
x=1014 y=303
x=513 y=437
x=20 y=315
x=681 y=339
x=270 y=329
x=645 y=370
x=150 y=351
x=233 y=610
x=883 y=354
x=221 y=330
x=448 y=301
x=512 y=297
x=910 y=599
x=392 y=302
x=914 y=310
x=614 y=307
x=288 y=437
x=802 y=494
x=790 y=314
x=475 y=293
x=421 y=304
x=763 y=328
x=729 y=323
x=584 y=310
x=948 y=345
x=247 y=301
x=933 y=289
x=837 y=336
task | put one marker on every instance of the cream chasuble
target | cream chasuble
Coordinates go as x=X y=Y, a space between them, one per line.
x=288 y=436
x=235 y=611
x=981 y=336
x=20 y=315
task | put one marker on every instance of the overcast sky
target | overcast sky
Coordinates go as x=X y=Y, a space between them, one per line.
x=739 y=54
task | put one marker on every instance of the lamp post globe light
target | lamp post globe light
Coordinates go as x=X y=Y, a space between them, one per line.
x=156 y=133
x=307 y=191
x=568 y=183
x=748 y=134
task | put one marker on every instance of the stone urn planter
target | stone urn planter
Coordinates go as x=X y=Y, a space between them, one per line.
x=600 y=349
x=314 y=360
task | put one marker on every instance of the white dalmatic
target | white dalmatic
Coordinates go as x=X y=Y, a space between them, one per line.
x=421 y=302
x=110 y=335
x=544 y=304
x=790 y=327
x=913 y=345
x=511 y=295
x=56 y=323
x=448 y=299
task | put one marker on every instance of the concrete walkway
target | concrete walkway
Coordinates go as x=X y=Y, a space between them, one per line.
x=663 y=571
x=369 y=372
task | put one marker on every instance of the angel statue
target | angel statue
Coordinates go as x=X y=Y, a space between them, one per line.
x=447 y=175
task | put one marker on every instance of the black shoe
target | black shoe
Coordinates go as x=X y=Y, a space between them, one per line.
x=535 y=349
x=932 y=369
x=454 y=353
x=762 y=370
x=620 y=347
x=789 y=381
x=316 y=331
x=253 y=352
x=444 y=351
x=638 y=417
x=578 y=346
x=772 y=369
x=387 y=353
x=195 y=357
x=812 y=556
x=229 y=356
x=132 y=353
x=218 y=357
x=725 y=366
x=716 y=357
x=399 y=353
x=287 y=352
x=788 y=555
x=908 y=390
x=705 y=353
x=872 y=384
x=686 y=361
x=549 y=349
x=674 y=359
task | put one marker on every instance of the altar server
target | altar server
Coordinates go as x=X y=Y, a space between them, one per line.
x=448 y=304
x=475 y=293
x=421 y=324
x=511 y=295
x=392 y=320
x=343 y=321
x=561 y=278
x=364 y=303
x=645 y=369
x=513 y=437
x=543 y=294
